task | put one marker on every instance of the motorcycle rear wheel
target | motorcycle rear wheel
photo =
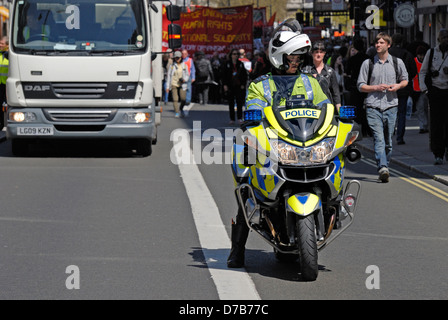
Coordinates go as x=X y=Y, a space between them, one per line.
x=306 y=240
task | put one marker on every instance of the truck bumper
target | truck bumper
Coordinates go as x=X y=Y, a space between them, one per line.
x=80 y=123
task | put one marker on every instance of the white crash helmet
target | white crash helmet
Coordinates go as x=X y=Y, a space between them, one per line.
x=287 y=39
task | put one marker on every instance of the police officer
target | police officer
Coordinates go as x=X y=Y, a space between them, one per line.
x=287 y=51
x=4 y=68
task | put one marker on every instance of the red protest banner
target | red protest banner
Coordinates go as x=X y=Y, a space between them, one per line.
x=216 y=29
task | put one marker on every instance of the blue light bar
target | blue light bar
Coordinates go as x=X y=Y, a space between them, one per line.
x=347 y=112
x=253 y=115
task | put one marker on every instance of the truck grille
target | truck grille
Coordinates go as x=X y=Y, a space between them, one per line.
x=79 y=90
x=73 y=115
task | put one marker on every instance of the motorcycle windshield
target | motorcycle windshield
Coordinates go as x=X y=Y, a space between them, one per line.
x=296 y=115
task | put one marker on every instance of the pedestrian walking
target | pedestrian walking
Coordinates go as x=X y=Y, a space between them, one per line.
x=215 y=90
x=355 y=97
x=381 y=79
x=191 y=75
x=167 y=61
x=434 y=82
x=324 y=74
x=234 y=79
x=262 y=65
x=397 y=49
x=338 y=66
x=204 y=76
x=247 y=63
x=177 y=80
x=420 y=99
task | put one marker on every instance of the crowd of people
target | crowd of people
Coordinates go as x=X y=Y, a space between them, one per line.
x=342 y=69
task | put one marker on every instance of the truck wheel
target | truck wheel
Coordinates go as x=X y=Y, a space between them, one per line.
x=144 y=147
x=19 y=147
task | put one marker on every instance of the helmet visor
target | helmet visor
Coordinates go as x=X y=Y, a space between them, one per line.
x=289 y=25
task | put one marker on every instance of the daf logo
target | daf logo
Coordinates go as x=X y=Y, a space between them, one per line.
x=37 y=88
x=126 y=89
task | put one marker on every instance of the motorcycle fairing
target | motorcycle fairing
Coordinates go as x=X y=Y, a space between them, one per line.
x=304 y=204
x=264 y=178
x=239 y=170
x=336 y=179
x=318 y=124
x=343 y=131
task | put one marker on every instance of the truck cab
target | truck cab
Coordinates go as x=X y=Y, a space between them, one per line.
x=84 y=70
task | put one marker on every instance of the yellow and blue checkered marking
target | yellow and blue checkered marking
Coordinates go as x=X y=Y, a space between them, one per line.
x=304 y=203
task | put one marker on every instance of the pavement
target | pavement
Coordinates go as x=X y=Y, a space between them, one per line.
x=414 y=155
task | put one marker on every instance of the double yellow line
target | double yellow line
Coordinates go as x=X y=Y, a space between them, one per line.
x=414 y=181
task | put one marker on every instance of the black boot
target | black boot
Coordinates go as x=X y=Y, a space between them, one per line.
x=240 y=232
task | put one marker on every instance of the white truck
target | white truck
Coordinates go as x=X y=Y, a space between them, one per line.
x=83 y=69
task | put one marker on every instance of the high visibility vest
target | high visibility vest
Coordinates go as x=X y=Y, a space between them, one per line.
x=416 y=84
x=4 y=68
x=259 y=93
x=45 y=31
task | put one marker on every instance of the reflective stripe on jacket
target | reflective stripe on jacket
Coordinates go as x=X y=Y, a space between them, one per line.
x=259 y=94
x=4 y=68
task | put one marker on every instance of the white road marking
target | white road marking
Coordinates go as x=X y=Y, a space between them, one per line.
x=231 y=284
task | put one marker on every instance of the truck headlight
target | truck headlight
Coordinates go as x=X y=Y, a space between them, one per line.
x=316 y=154
x=22 y=116
x=137 y=117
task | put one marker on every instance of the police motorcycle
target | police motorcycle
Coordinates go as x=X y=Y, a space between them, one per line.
x=288 y=165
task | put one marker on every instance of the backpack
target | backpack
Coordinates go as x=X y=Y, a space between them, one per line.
x=202 y=69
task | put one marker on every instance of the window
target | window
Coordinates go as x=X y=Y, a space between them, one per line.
x=79 y=26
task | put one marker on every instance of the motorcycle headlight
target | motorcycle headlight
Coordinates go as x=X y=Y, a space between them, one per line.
x=316 y=154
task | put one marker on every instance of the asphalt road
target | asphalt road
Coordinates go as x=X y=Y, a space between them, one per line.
x=130 y=228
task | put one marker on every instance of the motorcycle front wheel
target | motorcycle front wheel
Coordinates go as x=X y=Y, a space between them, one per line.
x=306 y=240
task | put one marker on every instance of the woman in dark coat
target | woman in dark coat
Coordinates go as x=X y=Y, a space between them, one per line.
x=234 y=79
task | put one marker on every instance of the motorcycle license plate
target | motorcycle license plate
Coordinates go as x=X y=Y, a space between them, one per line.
x=35 y=131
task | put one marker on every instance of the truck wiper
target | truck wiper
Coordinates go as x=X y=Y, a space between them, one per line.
x=38 y=52
x=108 y=52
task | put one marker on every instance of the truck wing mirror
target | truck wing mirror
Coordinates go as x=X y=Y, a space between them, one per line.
x=173 y=12
x=174 y=36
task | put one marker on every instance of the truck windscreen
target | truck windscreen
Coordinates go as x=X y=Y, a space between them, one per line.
x=79 y=27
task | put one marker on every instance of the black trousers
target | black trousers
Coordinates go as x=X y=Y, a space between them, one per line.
x=236 y=95
x=2 y=100
x=438 y=112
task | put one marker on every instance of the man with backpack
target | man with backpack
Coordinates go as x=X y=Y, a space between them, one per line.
x=381 y=79
x=204 y=76
x=399 y=51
